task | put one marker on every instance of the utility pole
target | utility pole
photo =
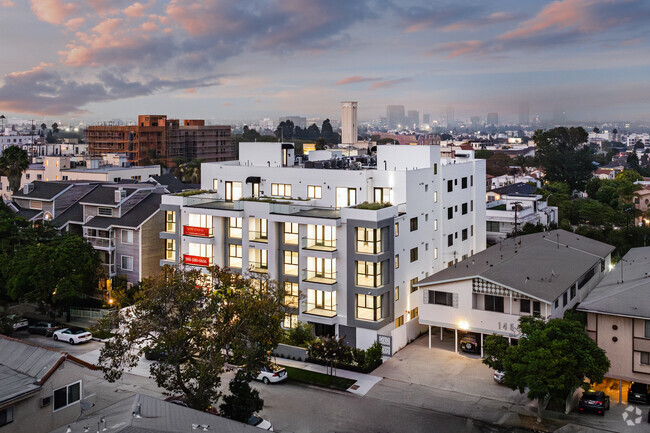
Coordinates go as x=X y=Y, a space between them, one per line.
x=516 y=203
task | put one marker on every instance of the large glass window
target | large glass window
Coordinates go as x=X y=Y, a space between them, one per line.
x=233 y=191
x=290 y=263
x=346 y=197
x=281 y=189
x=170 y=221
x=368 y=240
x=441 y=298
x=291 y=233
x=170 y=249
x=199 y=221
x=314 y=191
x=368 y=307
x=67 y=395
x=321 y=237
x=258 y=229
x=258 y=260
x=321 y=300
x=290 y=321
x=494 y=303
x=321 y=270
x=369 y=274
x=234 y=256
x=382 y=195
x=291 y=294
x=235 y=227
x=492 y=226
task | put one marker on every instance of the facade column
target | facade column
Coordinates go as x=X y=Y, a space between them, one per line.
x=482 y=337
x=510 y=302
x=441 y=333
x=620 y=391
x=429 y=336
x=456 y=340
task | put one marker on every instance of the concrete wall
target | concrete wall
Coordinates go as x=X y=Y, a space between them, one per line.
x=152 y=248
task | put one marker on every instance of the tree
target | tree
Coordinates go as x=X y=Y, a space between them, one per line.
x=550 y=361
x=497 y=164
x=43 y=126
x=284 y=131
x=596 y=129
x=638 y=144
x=563 y=155
x=55 y=128
x=202 y=322
x=191 y=171
x=242 y=402
x=592 y=186
x=633 y=162
x=320 y=143
x=250 y=134
x=13 y=162
x=483 y=154
x=328 y=133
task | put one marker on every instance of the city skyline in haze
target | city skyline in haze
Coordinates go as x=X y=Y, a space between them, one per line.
x=98 y=60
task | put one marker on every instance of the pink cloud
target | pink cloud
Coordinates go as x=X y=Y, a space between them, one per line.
x=226 y=104
x=74 y=23
x=257 y=101
x=7 y=3
x=190 y=90
x=52 y=11
x=460 y=48
x=354 y=79
x=136 y=10
x=149 y=26
x=389 y=83
x=39 y=68
x=493 y=18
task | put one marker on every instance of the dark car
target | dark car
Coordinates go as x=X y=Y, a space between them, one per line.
x=594 y=401
x=44 y=328
x=469 y=343
x=638 y=393
x=155 y=354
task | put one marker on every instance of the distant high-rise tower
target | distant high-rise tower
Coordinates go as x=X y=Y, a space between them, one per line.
x=426 y=119
x=349 y=131
x=413 y=119
x=493 y=118
x=451 y=121
x=524 y=113
x=395 y=116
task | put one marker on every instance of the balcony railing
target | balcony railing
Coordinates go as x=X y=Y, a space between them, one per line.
x=109 y=269
x=234 y=232
x=201 y=232
x=101 y=242
x=319 y=244
x=197 y=260
x=259 y=267
x=319 y=310
x=258 y=236
x=291 y=238
x=373 y=247
x=320 y=277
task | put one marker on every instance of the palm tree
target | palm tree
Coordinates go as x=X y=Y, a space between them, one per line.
x=192 y=171
x=13 y=162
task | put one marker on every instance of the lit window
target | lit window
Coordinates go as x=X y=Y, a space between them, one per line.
x=170 y=249
x=235 y=227
x=397 y=293
x=414 y=254
x=368 y=307
x=346 y=197
x=290 y=321
x=368 y=240
x=258 y=229
x=290 y=263
x=412 y=284
x=234 y=256
x=399 y=321
x=396 y=229
x=291 y=233
x=291 y=294
x=314 y=191
x=382 y=195
x=396 y=261
x=170 y=221
x=281 y=189
x=369 y=274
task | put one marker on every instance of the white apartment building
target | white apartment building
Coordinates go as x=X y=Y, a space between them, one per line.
x=347 y=237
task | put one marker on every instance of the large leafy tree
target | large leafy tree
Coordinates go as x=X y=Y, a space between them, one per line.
x=202 y=324
x=563 y=155
x=13 y=162
x=550 y=361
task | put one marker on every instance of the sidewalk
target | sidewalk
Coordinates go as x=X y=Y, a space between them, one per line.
x=364 y=382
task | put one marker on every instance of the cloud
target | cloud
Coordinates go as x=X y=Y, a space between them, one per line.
x=456 y=49
x=52 y=11
x=492 y=19
x=354 y=79
x=190 y=90
x=258 y=101
x=389 y=83
x=7 y=4
x=136 y=10
x=74 y=23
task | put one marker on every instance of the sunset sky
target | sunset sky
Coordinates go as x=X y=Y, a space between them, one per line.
x=96 y=60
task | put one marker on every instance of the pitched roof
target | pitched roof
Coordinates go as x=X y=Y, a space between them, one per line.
x=44 y=190
x=104 y=195
x=172 y=183
x=541 y=265
x=133 y=218
x=26 y=213
x=519 y=188
x=627 y=296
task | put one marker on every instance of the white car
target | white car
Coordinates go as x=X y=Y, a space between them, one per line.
x=272 y=374
x=259 y=422
x=499 y=376
x=72 y=335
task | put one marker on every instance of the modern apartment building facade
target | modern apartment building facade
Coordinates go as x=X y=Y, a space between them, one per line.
x=348 y=267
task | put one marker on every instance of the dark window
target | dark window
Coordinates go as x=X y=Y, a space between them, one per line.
x=464 y=234
x=494 y=303
x=450 y=240
x=492 y=226
x=524 y=306
x=647 y=329
x=645 y=359
x=573 y=291
x=60 y=398
x=441 y=298
x=537 y=308
x=471 y=205
x=67 y=395
x=450 y=213
x=564 y=299
x=6 y=416
x=414 y=224
x=435 y=168
x=414 y=254
x=557 y=302
x=471 y=180
x=464 y=183
x=464 y=208
x=586 y=277
x=411 y=283
x=450 y=186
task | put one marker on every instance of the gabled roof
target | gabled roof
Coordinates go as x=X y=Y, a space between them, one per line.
x=28 y=214
x=172 y=183
x=104 y=195
x=519 y=188
x=133 y=218
x=629 y=296
x=44 y=190
x=541 y=265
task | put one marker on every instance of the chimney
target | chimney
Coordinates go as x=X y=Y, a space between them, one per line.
x=28 y=188
x=119 y=194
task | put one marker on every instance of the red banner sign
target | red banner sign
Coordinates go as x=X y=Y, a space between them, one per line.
x=196 y=260
x=196 y=231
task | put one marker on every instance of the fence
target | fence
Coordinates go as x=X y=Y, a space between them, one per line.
x=89 y=313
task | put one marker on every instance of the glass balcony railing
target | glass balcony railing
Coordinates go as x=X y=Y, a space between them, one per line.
x=322 y=310
x=259 y=267
x=319 y=244
x=320 y=277
x=258 y=236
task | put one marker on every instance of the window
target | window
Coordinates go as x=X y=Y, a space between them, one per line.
x=441 y=298
x=290 y=263
x=235 y=255
x=573 y=291
x=127 y=263
x=39 y=177
x=104 y=211
x=258 y=229
x=396 y=261
x=6 y=416
x=368 y=307
x=170 y=249
x=414 y=224
x=369 y=274
x=435 y=253
x=435 y=168
x=564 y=299
x=321 y=300
x=368 y=240
x=233 y=191
x=492 y=226
x=450 y=213
x=524 y=305
x=290 y=320
x=281 y=189
x=450 y=185
x=464 y=234
x=321 y=270
x=647 y=329
x=397 y=293
x=464 y=209
x=463 y=183
x=414 y=254
x=396 y=229
x=537 y=309
x=382 y=195
x=399 y=321
x=471 y=205
x=435 y=196
x=215 y=184
x=314 y=191
x=557 y=302
x=346 y=197
x=471 y=231
x=321 y=237
x=412 y=283
x=413 y=313
x=450 y=240
x=258 y=260
x=645 y=360
x=235 y=227
x=170 y=221
x=127 y=236
x=426 y=188
x=291 y=233
x=585 y=278
x=494 y=303
x=291 y=294
x=471 y=180
x=67 y=395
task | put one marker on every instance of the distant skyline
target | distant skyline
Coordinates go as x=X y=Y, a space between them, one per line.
x=97 y=60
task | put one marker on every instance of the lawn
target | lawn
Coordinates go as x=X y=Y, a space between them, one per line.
x=318 y=379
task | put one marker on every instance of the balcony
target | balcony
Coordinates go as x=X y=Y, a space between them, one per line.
x=319 y=310
x=197 y=260
x=258 y=267
x=101 y=243
x=109 y=269
x=364 y=247
x=317 y=244
x=319 y=277
x=258 y=236
x=200 y=232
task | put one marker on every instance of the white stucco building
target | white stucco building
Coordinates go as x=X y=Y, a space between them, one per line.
x=347 y=269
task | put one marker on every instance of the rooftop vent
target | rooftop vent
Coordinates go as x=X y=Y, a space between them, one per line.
x=120 y=193
x=28 y=188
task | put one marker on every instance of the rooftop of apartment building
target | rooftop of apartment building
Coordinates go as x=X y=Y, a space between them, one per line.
x=519 y=188
x=543 y=264
x=625 y=291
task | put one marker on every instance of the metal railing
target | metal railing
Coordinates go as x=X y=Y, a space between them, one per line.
x=319 y=244
x=89 y=313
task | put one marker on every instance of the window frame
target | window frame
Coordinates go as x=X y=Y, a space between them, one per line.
x=170 y=253
x=67 y=396
x=413 y=224
x=236 y=248
x=122 y=257
x=281 y=190
x=374 y=308
x=127 y=231
x=9 y=415
x=314 y=191
x=414 y=253
x=170 y=221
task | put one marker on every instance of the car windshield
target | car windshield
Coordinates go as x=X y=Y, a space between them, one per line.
x=591 y=395
x=639 y=388
x=254 y=420
x=77 y=331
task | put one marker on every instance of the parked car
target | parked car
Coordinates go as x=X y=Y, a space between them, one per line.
x=469 y=343
x=499 y=376
x=72 y=335
x=272 y=374
x=155 y=354
x=638 y=393
x=18 y=322
x=594 y=401
x=260 y=422
x=44 y=328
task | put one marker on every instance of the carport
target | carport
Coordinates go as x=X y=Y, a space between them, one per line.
x=437 y=333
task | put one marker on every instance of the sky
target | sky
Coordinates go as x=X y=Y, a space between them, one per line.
x=232 y=60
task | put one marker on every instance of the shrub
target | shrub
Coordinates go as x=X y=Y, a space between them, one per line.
x=359 y=357
x=373 y=356
x=301 y=335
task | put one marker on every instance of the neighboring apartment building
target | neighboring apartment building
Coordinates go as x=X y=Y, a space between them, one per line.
x=542 y=274
x=618 y=318
x=155 y=137
x=120 y=221
x=41 y=389
x=513 y=206
x=348 y=270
